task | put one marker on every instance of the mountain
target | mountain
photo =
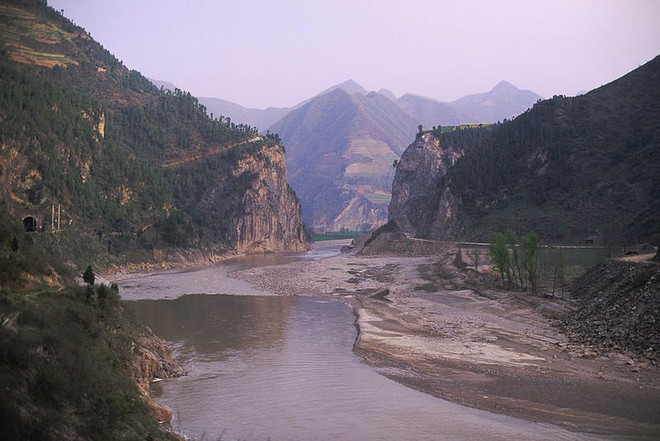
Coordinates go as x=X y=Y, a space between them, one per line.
x=259 y=118
x=94 y=150
x=341 y=177
x=504 y=101
x=387 y=94
x=324 y=208
x=429 y=112
x=340 y=148
x=163 y=84
x=216 y=107
x=349 y=86
x=264 y=118
x=568 y=168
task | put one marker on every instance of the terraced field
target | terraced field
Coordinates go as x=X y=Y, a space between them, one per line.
x=30 y=41
x=371 y=158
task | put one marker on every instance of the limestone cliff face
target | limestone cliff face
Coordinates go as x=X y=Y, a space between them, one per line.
x=422 y=203
x=253 y=206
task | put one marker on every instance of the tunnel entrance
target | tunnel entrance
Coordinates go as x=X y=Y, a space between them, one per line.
x=30 y=224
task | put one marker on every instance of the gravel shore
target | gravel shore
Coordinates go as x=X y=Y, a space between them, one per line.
x=451 y=333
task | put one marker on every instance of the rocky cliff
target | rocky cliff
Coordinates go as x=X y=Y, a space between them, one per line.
x=150 y=359
x=253 y=206
x=422 y=204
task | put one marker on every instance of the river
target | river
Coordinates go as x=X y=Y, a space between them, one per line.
x=282 y=368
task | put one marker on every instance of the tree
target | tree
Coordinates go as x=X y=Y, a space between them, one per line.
x=518 y=260
x=102 y=293
x=88 y=275
x=500 y=256
x=514 y=264
x=475 y=256
x=529 y=246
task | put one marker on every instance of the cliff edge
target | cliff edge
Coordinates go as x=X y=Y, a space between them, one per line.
x=422 y=203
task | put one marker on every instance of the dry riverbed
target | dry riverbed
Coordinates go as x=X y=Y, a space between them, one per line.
x=451 y=333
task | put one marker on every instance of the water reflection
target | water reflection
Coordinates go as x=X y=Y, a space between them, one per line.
x=282 y=368
x=209 y=326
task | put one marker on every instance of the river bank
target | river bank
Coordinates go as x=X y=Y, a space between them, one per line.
x=459 y=338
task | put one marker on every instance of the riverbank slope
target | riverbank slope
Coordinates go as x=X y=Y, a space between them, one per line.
x=74 y=365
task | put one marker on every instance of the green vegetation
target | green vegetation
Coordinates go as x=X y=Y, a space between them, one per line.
x=427 y=287
x=65 y=354
x=517 y=260
x=64 y=368
x=568 y=167
x=117 y=156
x=88 y=276
x=336 y=235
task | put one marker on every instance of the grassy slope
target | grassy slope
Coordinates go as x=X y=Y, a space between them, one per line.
x=64 y=369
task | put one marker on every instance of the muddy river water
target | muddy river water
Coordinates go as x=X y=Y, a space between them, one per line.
x=282 y=368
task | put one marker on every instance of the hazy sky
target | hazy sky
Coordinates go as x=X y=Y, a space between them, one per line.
x=278 y=53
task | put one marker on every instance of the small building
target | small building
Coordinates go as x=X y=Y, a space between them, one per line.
x=593 y=240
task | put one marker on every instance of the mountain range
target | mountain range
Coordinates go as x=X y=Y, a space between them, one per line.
x=504 y=101
x=340 y=147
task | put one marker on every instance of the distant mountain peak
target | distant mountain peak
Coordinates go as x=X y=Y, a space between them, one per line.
x=349 y=86
x=504 y=85
x=387 y=93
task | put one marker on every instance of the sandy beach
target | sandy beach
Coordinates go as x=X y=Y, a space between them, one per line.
x=451 y=333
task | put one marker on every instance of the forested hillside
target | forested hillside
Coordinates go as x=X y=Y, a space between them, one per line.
x=569 y=168
x=91 y=147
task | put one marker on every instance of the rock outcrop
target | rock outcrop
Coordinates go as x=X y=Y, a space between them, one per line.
x=390 y=240
x=152 y=360
x=422 y=203
x=254 y=208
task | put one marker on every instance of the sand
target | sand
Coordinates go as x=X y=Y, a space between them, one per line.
x=475 y=345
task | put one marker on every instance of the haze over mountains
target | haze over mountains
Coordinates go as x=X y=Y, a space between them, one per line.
x=341 y=143
x=340 y=151
x=504 y=101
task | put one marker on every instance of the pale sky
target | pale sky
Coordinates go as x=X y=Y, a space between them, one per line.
x=278 y=53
